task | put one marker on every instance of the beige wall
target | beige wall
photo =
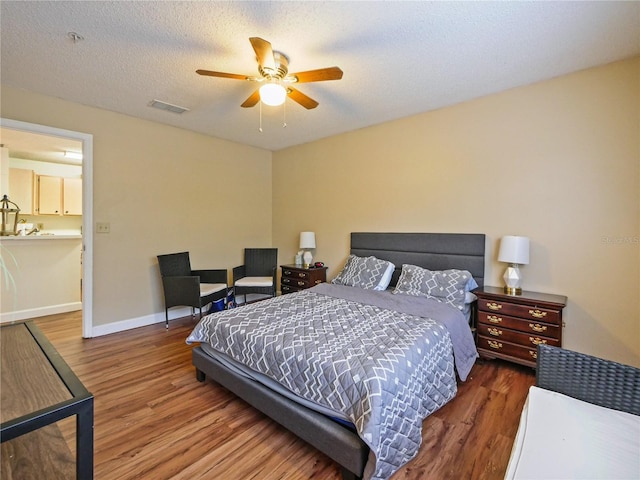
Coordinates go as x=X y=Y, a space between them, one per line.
x=163 y=190
x=557 y=161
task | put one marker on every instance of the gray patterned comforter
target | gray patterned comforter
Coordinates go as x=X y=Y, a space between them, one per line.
x=384 y=361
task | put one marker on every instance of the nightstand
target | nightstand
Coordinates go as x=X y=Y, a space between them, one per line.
x=510 y=327
x=297 y=277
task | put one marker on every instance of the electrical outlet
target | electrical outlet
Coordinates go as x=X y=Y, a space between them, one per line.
x=103 y=227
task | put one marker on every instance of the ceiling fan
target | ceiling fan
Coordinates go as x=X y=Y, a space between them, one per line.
x=274 y=75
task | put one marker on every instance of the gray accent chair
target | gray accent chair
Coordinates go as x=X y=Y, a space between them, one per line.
x=185 y=287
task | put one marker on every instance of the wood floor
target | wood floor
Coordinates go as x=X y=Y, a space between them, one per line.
x=154 y=420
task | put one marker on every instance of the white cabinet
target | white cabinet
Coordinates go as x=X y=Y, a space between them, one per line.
x=21 y=191
x=72 y=196
x=59 y=196
x=49 y=195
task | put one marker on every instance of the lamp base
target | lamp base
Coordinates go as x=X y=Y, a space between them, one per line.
x=512 y=280
x=513 y=290
x=307 y=259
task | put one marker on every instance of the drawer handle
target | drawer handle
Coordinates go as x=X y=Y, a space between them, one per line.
x=286 y=280
x=494 y=319
x=494 y=306
x=302 y=275
x=494 y=331
x=494 y=344
x=301 y=284
x=318 y=281
x=537 y=313
x=533 y=354
x=536 y=327
x=537 y=340
x=287 y=272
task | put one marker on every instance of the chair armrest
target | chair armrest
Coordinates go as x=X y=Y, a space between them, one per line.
x=238 y=273
x=181 y=291
x=211 y=276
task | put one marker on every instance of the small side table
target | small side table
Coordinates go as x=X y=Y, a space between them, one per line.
x=38 y=390
x=510 y=327
x=296 y=277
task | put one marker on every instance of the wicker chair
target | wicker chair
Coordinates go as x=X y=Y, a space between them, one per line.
x=185 y=287
x=588 y=378
x=258 y=274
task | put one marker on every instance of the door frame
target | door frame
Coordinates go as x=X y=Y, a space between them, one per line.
x=87 y=208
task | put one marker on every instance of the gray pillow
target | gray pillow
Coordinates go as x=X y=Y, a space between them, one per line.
x=365 y=272
x=447 y=286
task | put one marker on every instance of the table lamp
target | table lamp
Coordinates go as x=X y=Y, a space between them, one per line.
x=307 y=240
x=514 y=250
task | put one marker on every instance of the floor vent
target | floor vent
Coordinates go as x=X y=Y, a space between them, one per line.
x=167 y=106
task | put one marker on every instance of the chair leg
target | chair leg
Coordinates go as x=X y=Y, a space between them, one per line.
x=166 y=317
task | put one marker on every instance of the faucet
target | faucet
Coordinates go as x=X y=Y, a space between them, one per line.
x=33 y=230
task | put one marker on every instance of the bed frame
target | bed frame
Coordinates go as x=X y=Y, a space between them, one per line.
x=435 y=251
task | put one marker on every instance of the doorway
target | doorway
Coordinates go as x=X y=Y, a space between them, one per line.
x=86 y=141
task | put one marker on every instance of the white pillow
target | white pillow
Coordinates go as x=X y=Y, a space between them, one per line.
x=386 y=277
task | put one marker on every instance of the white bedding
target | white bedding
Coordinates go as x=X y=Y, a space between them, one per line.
x=560 y=437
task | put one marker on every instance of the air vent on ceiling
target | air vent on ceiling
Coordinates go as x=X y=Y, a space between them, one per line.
x=167 y=106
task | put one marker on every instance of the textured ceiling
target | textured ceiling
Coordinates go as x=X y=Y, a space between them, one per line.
x=398 y=58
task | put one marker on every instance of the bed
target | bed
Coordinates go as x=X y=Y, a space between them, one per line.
x=580 y=420
x=348 y=439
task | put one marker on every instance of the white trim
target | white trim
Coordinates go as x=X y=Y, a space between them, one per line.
x=39 y=312
x=130 y=323
x=87 y=209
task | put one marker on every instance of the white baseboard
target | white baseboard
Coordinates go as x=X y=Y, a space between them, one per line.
x=122 y=325
x=97 y=330
x=39 y=312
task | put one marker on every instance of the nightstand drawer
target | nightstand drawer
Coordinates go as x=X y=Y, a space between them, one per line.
x=523 y=325
x=291 y=273
x=295 y=282
x=289 y=289
x=531 y=312
x=513 y=336
x=502 y=349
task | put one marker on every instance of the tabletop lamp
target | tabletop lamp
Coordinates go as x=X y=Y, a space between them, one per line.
x=514 y=250
x=307 y=240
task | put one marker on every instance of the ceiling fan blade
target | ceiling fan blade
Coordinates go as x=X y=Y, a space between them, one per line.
x=222 y=74
x=301 y=98
x=264 y=52
x=330 y=73
x=252 y=100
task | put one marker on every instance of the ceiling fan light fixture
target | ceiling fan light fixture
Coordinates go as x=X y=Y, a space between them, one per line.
x=273 y=94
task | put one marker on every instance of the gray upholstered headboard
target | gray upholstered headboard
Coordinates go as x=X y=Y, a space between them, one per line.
x=434 y=251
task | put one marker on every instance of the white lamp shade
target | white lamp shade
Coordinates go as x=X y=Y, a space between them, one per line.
x=514 y=249
x=273 y=94
x=307 y=240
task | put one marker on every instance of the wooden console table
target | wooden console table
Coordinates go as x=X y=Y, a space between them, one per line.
x=39 y=389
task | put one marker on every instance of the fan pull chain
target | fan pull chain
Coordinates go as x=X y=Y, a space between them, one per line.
x=260 y=127
x=284 y=114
